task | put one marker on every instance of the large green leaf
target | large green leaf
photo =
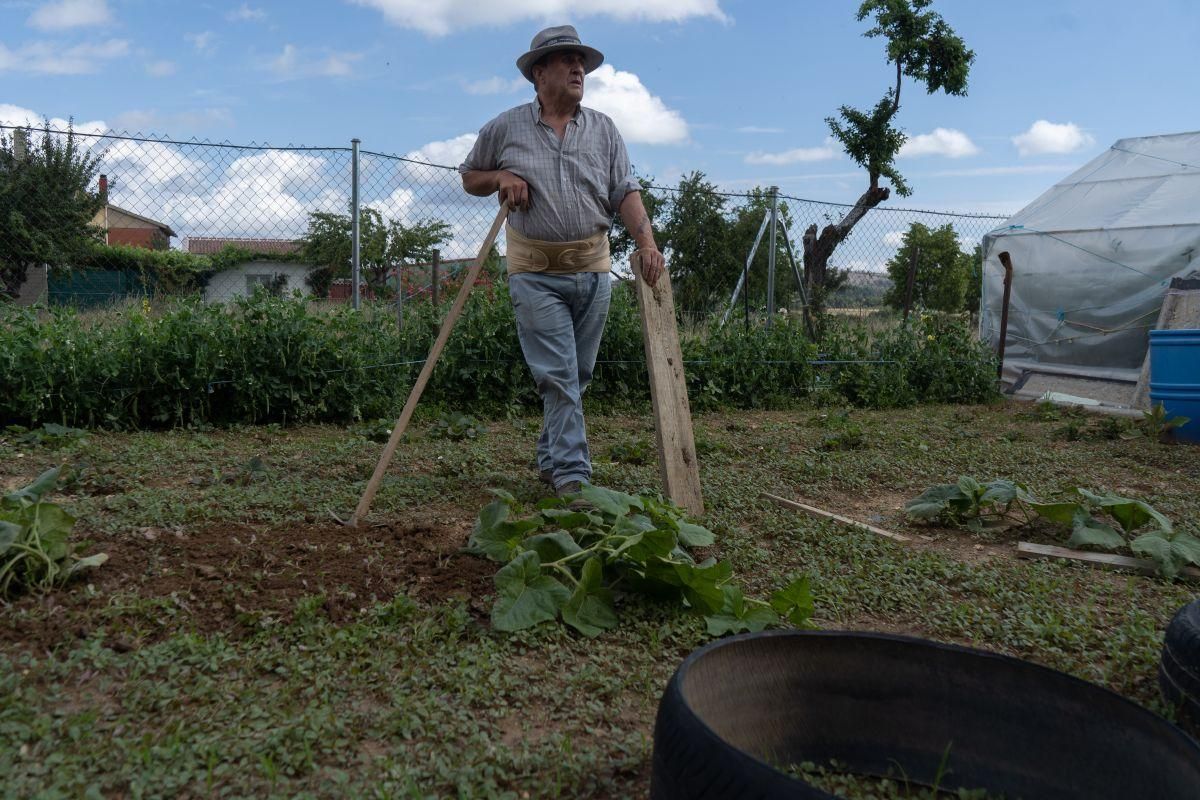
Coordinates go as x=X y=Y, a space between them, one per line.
x=569 y=520
x=649 y=545
x=1172 y=551
x=552 y=546
x=9 y=533
x=1062 y=513
x=1090 y=532
x=590 y=608
x=694 y=535
x=703 y=586
x=1156 y=546
x=492 y=515
x=1002 y=492
x=501 y=542
x=34 y=492
x=526 y=596
x=933 y=502
x=736 y=616
x=794 y=602
x=610 y=501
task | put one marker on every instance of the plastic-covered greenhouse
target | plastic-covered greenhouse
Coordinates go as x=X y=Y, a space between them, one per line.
x=1093 y=258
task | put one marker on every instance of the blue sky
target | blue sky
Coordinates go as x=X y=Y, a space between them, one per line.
x=736 y=88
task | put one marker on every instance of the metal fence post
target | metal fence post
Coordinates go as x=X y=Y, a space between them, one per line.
x=433 y=275
x=355 y=264
x=771 y=256
x=912 y=279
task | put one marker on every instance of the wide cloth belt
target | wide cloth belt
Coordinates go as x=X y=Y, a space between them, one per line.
x=559 y=258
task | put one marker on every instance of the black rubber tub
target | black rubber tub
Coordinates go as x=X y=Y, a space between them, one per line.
x=739 y=712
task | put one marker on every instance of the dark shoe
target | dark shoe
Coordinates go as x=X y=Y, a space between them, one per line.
x=572 y=489
x=546 y=476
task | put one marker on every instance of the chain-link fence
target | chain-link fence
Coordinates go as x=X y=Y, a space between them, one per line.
x=223 y=219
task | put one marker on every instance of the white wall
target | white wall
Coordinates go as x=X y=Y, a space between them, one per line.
x=238 y=281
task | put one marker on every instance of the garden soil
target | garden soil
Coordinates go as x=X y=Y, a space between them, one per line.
x=236 y=579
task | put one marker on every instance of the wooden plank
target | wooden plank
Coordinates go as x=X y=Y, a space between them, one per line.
x=813 y=511
x=431 y=360
x=1143 y=566
x=677 y=465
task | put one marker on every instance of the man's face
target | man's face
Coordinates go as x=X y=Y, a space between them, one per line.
x=561 y=75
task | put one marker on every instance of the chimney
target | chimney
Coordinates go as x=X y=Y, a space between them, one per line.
x=104 y=188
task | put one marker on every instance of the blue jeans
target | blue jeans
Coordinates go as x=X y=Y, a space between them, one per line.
x=560 y=319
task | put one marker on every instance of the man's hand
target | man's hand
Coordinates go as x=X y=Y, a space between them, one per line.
x=514 y=190
x=652 y=264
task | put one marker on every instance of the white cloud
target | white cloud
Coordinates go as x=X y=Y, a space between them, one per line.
x=894 y=239
x=640 y=116
x=945 y=142
x=448 y=153
x=441 y=17
x=15 y=115
x=64 y=14
x=1049 y=137
x=246 y=14
x=160 y=69
x=293 y=63
x=204 y=41
x=496 y=85
x=47 y=58
x=183 y=122
x=757 y=129
x=826 y=152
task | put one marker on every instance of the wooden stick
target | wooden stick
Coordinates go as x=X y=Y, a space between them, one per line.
x=677 y=465
x=434 y=353
x=820 y=514
x=1144 y=566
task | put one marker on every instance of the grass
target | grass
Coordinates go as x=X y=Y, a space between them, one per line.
x=310 y=664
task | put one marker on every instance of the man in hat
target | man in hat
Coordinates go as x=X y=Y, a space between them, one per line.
x=564 y=171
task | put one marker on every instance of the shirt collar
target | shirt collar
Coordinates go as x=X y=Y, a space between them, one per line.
x=536 y=109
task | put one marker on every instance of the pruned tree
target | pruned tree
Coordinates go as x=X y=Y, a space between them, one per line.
x=46 y=206
x=922 y=47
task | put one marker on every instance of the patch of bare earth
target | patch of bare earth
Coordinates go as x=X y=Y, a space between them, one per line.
x=227 y=577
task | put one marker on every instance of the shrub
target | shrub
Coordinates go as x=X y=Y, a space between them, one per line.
x=268 y=359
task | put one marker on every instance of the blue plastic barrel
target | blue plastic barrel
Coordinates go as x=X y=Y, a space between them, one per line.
x=1175 y=378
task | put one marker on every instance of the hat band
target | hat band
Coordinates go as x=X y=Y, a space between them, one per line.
x=559 y=40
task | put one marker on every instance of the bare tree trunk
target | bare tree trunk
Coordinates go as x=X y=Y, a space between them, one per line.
x=818 y=249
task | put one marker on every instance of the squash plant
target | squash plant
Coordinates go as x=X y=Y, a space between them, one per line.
x=34 y=552
x=578 y=564
x=1105 y=521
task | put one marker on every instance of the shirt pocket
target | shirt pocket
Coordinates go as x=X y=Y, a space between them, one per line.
x=594 y=175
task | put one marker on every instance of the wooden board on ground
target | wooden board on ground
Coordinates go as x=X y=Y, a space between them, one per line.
x=677 y=463
x=1180 y=309
x=813 y=511
x=1143 y=566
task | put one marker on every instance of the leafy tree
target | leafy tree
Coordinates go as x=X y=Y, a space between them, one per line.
x=45 y=205
x=921 y=46
x=943 y=269
x=620 y=241
x=974 y=281
x=696 y=231
x=383 y=246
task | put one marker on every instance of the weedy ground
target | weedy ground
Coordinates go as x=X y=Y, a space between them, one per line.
x=241 y=643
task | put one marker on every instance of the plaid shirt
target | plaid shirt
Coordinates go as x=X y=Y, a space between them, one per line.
x=576 y=184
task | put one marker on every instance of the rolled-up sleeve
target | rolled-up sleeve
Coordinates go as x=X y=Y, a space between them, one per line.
x=621 y=177
x=484 y=154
